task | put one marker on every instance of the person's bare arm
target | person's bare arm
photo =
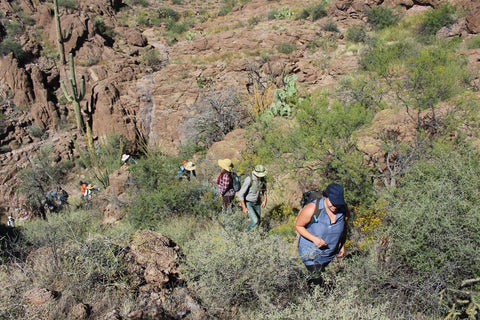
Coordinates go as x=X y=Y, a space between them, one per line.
x=304 y=217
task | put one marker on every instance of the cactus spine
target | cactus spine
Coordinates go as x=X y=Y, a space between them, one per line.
x=76 y=96
x=61 y=36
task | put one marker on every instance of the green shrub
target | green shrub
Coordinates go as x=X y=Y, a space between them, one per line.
x=286 y=47
x=42 y=177
x=241 y=272
x=357 y=34
x=382 y=58
x=224 y=10
x=271 y=15
x=435 y=225
x=159 y=194
x=103 y=29
x=319 y=11
x=330 y=26
x=302 y=15
x=9 y=45
x=13 y=27
x=176 y=28
x=253 y=21
x=36 y=131
x=382 y=17
x=434 y=75
x=473 y=43
x=68 y=4
x=436 y=19
x=168 y=13
x=151 y=58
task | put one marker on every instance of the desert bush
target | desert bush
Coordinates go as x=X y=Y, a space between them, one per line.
x=71 y=260
x=319 y=11
x=357 y=34
x=224 y=10
x=168 y=13
x=286 y=47
x=103 y=29
x=473 y=43
x=151 y=58
x=342 y=304
x=434 y=225
x=42 y=176
x=159 y=194
x=436 y=19
x=303 y=14
x=68 y=4
x=382 y=17
x=330 y=26
x=253 y=21
x=219 y=112
x=9 y=45
x=434 y=74
x=241 y=271
x=385 y=59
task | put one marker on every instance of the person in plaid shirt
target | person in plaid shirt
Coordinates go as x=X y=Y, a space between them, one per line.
x=225 y=182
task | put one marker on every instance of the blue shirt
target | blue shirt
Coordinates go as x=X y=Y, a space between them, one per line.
x=331 y=233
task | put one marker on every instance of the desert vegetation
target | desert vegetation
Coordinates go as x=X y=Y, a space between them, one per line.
x=412 y=249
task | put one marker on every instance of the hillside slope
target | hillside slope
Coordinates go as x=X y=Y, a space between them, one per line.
x=150 y=80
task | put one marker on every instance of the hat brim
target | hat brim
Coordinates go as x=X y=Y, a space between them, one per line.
x=260 y=174
x=228 y=166
x=189 y=166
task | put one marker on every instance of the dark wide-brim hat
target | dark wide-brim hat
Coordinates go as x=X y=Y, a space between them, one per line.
x=334 y=193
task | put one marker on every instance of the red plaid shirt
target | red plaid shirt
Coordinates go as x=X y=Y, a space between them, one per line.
x=225 y=186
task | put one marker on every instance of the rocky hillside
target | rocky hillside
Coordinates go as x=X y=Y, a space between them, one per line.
x=149 y=83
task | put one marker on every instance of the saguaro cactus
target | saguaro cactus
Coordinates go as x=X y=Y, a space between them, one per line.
x=76 y=96
x=61 y=36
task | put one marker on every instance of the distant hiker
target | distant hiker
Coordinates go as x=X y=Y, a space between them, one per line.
x=11 y=222
x=83 y=188
x=225 y=182
x=322 y=226
x=128 y=160
x=186 y=170
x=253 y=195
x=61 y=197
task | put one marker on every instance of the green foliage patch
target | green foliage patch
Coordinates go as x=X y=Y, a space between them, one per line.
x=239 y=270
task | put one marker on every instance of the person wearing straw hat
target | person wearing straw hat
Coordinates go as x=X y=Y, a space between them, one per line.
x=253 y=195
x=225 y=182
x=187 y=170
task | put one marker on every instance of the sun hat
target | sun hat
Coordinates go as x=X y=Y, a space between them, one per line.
x=125 y=157
x=190 y=166
x=226 y=164
x=260 y=171
x=334 y=193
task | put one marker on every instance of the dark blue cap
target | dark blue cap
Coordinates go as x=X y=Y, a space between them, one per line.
x=334 y=193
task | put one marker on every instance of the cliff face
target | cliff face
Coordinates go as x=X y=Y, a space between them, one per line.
x=159 y=100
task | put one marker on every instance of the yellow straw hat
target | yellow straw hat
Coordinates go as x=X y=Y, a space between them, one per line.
x=226 y=164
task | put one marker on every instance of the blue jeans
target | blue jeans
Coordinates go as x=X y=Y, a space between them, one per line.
x=254 y=214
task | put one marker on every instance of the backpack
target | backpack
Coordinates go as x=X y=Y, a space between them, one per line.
x=236 y=182
x=310 y=196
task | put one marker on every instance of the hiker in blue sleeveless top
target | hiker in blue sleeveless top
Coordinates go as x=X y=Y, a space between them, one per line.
x=322 y=226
